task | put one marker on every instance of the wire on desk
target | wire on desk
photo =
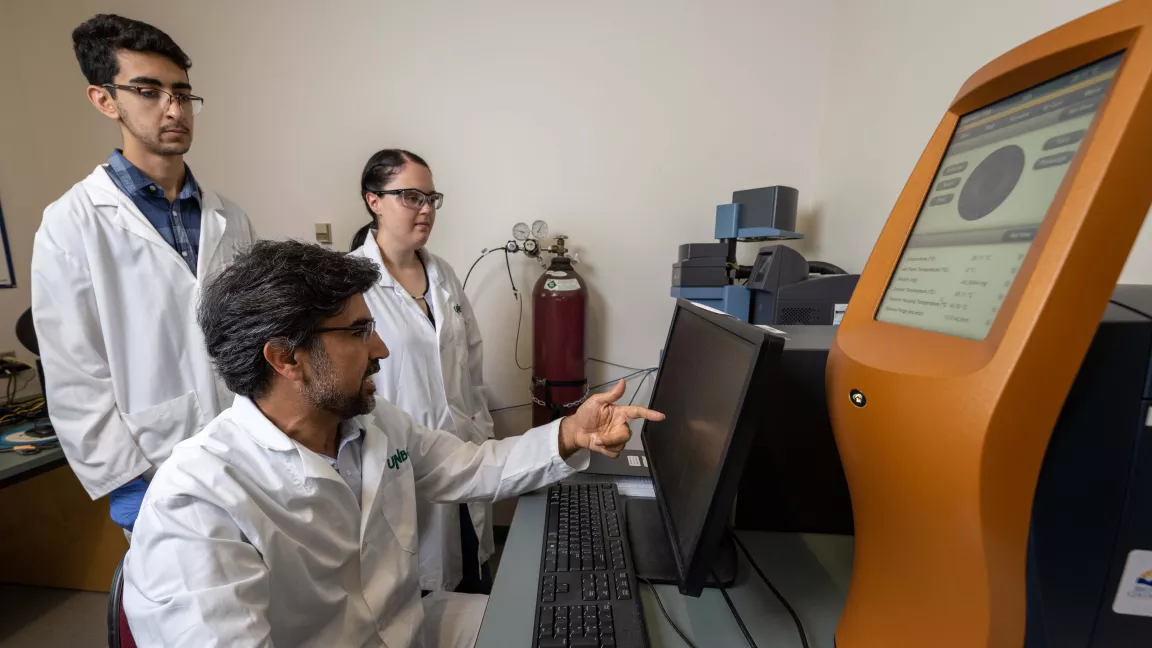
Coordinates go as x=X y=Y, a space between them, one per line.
x=784 y=601
x=735 y=613
x=670 y=621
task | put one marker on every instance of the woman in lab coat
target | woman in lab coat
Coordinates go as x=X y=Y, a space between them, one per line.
x=435 y=372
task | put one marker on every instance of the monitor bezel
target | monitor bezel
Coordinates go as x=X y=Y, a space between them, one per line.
x=693 y=575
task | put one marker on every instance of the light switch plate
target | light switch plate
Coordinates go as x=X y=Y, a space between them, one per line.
x=324 y=233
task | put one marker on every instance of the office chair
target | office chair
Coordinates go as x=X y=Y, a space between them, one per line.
x=26 y=333
x=119 y=634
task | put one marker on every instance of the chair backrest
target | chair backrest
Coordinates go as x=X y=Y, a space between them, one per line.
x=26 y=332
x=119 y=635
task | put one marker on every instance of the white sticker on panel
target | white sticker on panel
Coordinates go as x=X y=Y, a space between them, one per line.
x=1134 y=596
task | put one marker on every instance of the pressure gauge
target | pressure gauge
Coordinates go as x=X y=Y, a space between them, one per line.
x=520 y=231
x=530 y=246
x=540 y=229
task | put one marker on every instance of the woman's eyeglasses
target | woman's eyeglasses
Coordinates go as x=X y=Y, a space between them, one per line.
x=414 y=198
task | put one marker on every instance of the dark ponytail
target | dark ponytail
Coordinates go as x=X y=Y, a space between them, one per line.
x=378 y=172
x=360 y=236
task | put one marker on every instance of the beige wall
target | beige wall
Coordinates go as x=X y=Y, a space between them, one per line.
x=622 y=124
x=895 y=67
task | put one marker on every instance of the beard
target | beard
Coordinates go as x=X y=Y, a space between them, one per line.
x=151 y=141
x=324 y=392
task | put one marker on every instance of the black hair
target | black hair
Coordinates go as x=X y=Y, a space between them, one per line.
x=378 y=172
x=97 y=39
x=276 y=290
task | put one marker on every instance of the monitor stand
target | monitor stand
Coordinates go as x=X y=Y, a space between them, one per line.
x=652 y=555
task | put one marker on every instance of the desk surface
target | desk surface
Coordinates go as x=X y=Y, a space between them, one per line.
x=811 y=571
x=13 y=466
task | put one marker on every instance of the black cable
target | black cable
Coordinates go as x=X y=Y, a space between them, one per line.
x=783 y=601
x=641 y=384
x=616 y=380
x=666 y=616
x=519 y=322
x=610 y=382
x=735 y=613
x=26 y=383
x=478 y=259
x=508 y=264
x=613 y=364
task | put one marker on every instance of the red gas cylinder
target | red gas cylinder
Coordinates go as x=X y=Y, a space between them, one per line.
x=560 y=307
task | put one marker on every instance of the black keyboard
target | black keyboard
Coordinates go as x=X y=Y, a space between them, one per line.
x=587 y=596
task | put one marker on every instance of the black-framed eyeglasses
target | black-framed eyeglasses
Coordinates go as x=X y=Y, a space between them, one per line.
x=365 y=330
x=414 y=198
x=156 y=96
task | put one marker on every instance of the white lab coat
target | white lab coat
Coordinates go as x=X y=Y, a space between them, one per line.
x=247 y=538
x=435 y=375
x=114 y=305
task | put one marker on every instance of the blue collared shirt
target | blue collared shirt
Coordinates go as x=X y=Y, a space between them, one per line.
x=348 y=462
x=178 y=222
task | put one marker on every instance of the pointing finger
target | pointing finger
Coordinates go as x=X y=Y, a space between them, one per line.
x=637 y=412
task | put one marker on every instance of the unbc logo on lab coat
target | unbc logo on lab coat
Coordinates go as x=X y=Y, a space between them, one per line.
x=397 y=458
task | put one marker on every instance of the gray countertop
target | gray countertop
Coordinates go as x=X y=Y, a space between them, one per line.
x=13 y=466
x=812 y=571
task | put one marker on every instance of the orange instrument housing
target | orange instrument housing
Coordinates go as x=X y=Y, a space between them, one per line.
x=970 y=322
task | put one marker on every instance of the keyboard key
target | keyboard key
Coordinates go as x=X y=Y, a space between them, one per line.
x=606 y=628
x=558 y=642
x=607 y=641
x=563 y=588
x=583 y=642
x=605 y=611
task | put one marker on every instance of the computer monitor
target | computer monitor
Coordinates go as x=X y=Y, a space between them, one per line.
x=970 y=322
x=713 y=369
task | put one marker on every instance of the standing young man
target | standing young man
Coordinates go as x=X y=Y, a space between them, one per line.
x=117 y=268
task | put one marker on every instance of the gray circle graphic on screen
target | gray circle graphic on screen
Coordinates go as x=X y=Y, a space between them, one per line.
x=991 y=182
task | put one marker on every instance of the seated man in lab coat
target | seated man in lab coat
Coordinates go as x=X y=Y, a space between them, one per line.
x=291 y=519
